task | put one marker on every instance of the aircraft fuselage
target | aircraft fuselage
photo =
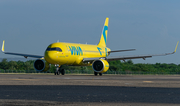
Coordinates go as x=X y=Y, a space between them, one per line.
x=72 y=54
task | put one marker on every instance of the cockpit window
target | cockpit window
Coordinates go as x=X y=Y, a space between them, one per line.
x=54 y=49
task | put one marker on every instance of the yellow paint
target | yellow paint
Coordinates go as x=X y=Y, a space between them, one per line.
x=3 y=46
x=103 y=39
x=65 y=57
x=147 y=81
x=176 y=46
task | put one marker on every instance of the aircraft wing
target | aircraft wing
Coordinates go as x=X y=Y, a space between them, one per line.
x=20 y=54
x=135 y=57
x=128 y=57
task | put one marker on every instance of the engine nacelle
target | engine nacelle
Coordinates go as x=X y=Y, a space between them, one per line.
x=40 y=65
x=100 y=66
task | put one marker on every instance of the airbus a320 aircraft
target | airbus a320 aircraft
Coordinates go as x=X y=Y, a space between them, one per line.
x=73 y=54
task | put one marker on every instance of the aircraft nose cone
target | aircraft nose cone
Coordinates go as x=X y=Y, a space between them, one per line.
x=49 y=57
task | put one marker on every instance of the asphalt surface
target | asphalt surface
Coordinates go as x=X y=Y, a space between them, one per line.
x=88 y=90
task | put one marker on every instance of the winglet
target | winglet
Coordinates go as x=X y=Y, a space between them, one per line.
x=3 y=46
x=176 y=47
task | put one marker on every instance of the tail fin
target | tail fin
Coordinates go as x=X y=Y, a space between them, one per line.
x=103 y=39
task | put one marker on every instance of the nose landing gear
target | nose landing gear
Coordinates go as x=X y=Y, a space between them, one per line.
x=59 y=70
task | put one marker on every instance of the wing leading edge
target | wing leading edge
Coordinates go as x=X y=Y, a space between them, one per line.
x=128 y=57
x=20 y=54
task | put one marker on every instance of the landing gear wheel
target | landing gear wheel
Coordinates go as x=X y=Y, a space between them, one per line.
x=58 y=73
x=100 y=74
x=62 y=71
x=59 y=70
x=95 y=73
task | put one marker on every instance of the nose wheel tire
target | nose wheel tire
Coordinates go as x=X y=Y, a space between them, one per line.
x=56 y=73
x=59 y=70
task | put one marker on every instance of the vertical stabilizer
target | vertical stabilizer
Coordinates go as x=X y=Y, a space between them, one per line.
x=103 y=39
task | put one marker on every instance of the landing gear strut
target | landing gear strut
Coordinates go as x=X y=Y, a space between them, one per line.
x=59 y=70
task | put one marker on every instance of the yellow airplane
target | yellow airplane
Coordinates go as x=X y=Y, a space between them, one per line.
x=73 y=54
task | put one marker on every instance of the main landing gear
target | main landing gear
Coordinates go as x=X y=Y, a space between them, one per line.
x=59 y=70
x=95 y=73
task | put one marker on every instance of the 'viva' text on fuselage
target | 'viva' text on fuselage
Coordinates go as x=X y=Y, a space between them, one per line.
x=76 y=50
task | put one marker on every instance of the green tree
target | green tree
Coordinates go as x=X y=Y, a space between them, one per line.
x=12 y=65
x=4 y=64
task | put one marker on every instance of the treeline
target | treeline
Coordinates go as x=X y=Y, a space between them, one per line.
x=16 y=65
x=128 y=66
x=139 y=67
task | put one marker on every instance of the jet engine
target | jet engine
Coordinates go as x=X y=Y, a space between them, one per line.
x=100 y=66
x=41 y=65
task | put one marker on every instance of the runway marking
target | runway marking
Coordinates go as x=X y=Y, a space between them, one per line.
x=25 y=79
x=147 y=81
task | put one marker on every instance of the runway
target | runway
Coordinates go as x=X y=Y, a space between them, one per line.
x=81 y=90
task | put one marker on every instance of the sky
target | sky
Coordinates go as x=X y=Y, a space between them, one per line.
x=149 y=26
